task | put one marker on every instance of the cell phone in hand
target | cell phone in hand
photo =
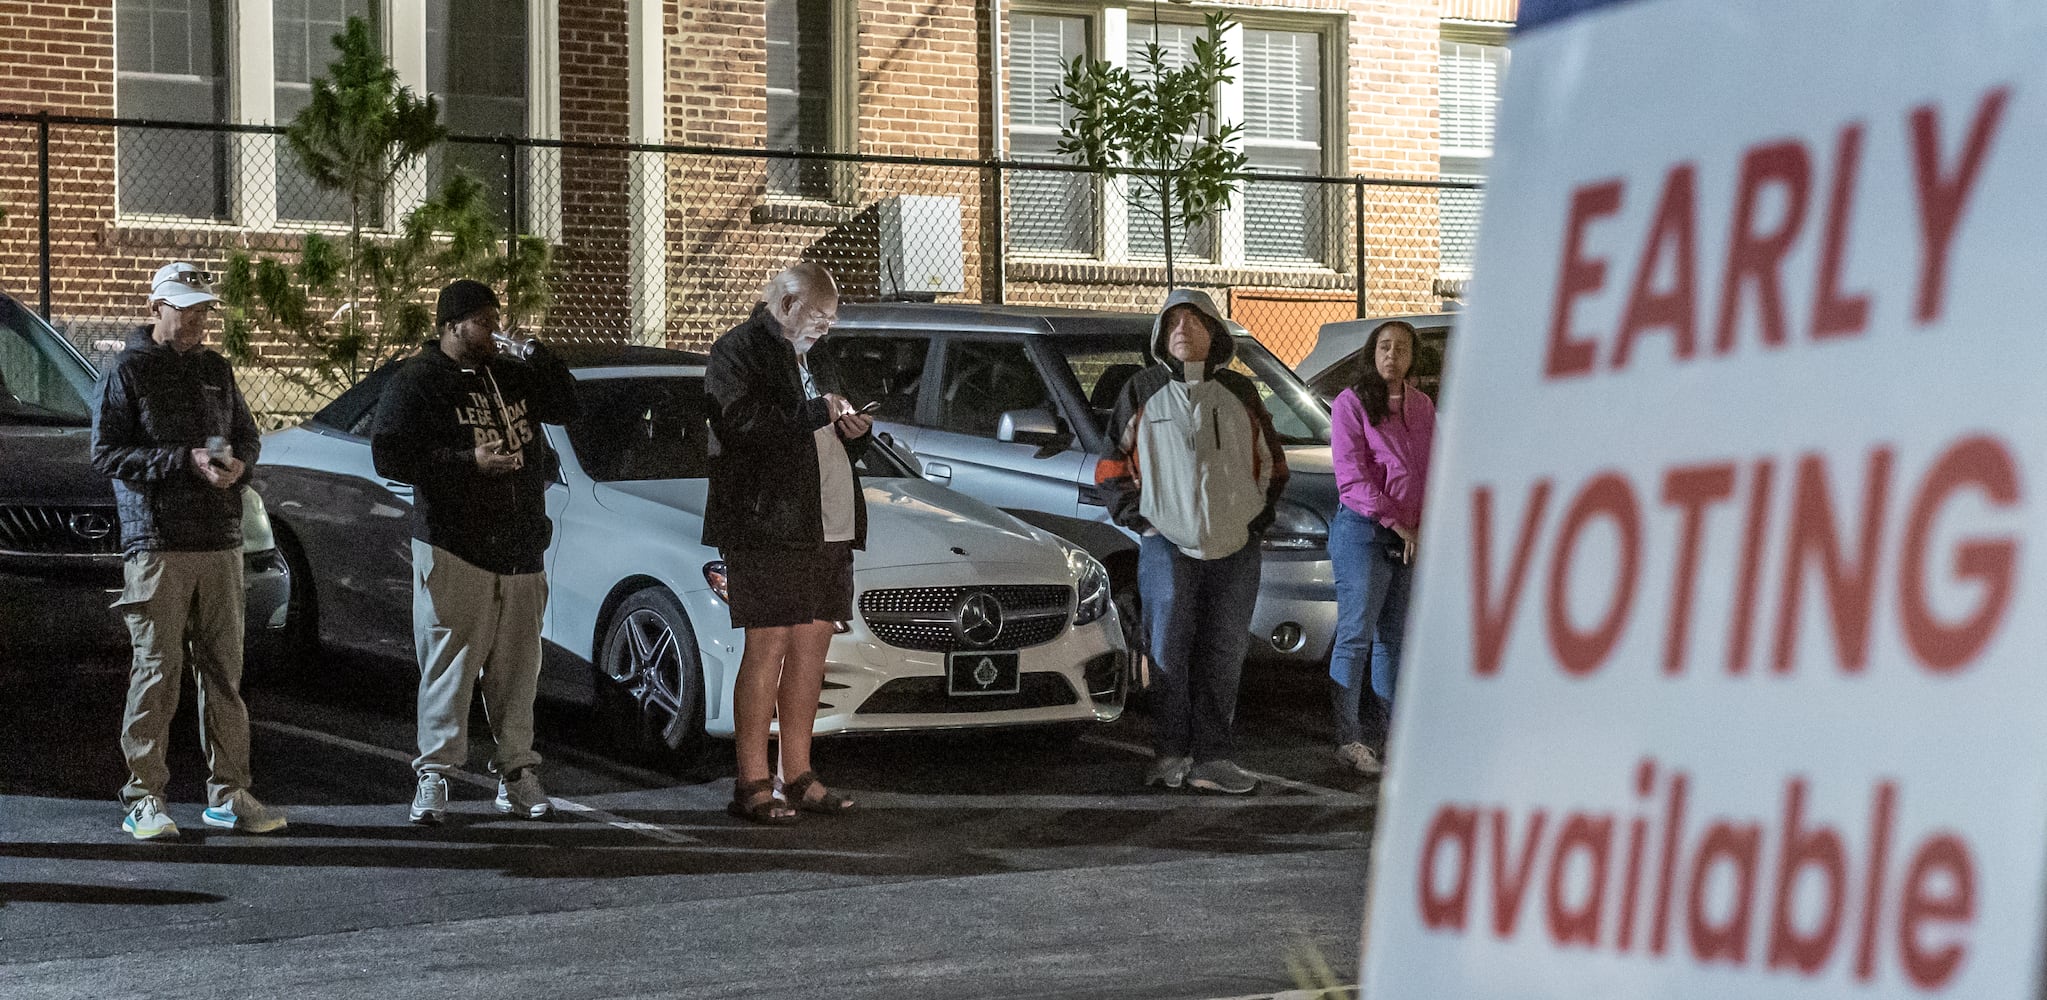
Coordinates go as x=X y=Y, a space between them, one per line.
x=871 y=406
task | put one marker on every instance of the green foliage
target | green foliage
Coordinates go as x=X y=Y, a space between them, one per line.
x=360 y=129
x=1159 y=121
x=449 y=236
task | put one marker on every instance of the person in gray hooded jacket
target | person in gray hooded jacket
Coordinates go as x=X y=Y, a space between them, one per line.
x=1197 y=472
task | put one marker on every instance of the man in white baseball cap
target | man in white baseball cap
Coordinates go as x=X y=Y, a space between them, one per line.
x=188 y=292
x=181 y=285
x=174 y=434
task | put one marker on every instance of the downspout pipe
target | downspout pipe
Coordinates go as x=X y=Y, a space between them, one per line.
x=998 y=148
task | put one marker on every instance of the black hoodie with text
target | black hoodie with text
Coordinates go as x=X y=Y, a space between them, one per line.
x=431 y=420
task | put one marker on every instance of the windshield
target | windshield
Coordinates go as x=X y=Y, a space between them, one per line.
x=656 y=427
x=1296 y=413
x=1101 y=365
x=41 y=380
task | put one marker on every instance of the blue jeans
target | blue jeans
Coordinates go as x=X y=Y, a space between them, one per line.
x=1371 y=617
x=1198 y=615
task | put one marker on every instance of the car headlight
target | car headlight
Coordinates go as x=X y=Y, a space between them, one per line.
x=257 y=535
x=1296 y=527
x=1090 y=584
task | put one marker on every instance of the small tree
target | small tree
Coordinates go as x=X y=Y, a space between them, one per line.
x=449 y=236
x=1159 y=122
x=359 y=130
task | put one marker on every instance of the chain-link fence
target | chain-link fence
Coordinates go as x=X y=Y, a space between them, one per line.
x=671 y=245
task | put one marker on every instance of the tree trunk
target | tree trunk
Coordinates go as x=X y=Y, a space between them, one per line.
x=348 y=326
x=1166 y=216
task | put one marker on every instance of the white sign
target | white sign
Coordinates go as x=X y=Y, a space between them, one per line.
x=1728 y=674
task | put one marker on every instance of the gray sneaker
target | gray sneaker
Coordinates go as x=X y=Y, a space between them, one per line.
x=242 y=812
x=146 y=820
x=1222 y=776
x=1360 y=758
x=522 y=796
x=1169 y=772
x=430 y=800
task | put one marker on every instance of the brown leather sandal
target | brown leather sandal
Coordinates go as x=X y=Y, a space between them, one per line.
x=770 y=811
x=828 y=804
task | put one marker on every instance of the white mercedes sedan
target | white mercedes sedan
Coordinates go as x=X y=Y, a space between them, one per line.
x=964 y=615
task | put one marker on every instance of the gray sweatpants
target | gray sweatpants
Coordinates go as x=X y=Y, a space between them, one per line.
x=468 y=622
x=170 y=599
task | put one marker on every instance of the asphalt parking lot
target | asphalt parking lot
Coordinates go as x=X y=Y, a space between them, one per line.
x=977 y=865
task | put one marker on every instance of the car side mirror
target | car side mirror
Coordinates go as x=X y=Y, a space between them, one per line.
x=897 y=448
x=1033 y=426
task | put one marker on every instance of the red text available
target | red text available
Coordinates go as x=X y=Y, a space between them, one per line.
x=1644 y=881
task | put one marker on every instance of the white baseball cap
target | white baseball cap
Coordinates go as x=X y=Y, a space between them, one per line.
x=182 y=285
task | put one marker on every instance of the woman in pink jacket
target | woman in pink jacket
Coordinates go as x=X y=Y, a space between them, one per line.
x=1383 y=428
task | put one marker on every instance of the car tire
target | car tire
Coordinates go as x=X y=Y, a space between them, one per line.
x=650 y=682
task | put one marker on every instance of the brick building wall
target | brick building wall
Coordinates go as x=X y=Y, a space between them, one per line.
x=592 y=293
x=918 y=87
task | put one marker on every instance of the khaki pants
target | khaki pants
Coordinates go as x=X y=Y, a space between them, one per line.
x=468 y=621
x=174 y=599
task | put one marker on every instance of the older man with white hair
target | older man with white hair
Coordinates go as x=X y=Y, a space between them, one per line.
x=785 y=510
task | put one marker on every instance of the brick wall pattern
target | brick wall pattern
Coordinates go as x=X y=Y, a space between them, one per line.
x=920 y=89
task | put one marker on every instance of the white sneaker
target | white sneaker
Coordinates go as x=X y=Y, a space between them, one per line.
x=430 y=800
x=1169 y=772
x=1222 y=776
x=522 y=796
x=146 y=820
x=1360 y=758
x=242 y=812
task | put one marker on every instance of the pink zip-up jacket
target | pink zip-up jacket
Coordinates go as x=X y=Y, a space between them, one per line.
x=1381 y=471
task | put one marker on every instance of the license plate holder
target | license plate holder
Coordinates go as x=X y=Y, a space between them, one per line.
x=983 y=672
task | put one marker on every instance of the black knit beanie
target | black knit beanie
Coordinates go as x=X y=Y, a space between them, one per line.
x=461 y=298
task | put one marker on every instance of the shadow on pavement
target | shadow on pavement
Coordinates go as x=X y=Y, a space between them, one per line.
x=104 y=895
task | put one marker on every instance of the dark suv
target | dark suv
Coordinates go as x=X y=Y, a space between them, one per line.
x=60 y=541
x=1008 y=404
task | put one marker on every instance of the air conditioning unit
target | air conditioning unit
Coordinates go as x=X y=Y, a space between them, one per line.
x=921 y=256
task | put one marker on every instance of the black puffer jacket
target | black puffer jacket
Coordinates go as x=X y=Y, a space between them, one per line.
x=156 y=405
x=764 y=490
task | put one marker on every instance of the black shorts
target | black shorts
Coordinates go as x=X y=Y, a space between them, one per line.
x=771 y=588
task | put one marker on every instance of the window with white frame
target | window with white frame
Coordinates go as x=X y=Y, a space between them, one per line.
x=801 y=71
x=1282 y=80
x=171 y=64
x=1468 y=88
x=1051 y=211
x=302 y=33
x=491 y=64
x=476 y=66
x=1277 y=91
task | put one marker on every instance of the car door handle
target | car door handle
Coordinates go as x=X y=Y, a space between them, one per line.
x=938 y=472
x=397 y=488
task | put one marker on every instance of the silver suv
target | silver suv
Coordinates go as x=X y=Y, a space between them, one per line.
x=1008 y=404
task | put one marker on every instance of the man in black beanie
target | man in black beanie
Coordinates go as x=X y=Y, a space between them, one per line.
x=461 y=423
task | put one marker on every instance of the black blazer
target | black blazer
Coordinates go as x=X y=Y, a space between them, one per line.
x=764 y=489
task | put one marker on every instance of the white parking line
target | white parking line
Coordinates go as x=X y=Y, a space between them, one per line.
x=1270 y=779
x=648 y=830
